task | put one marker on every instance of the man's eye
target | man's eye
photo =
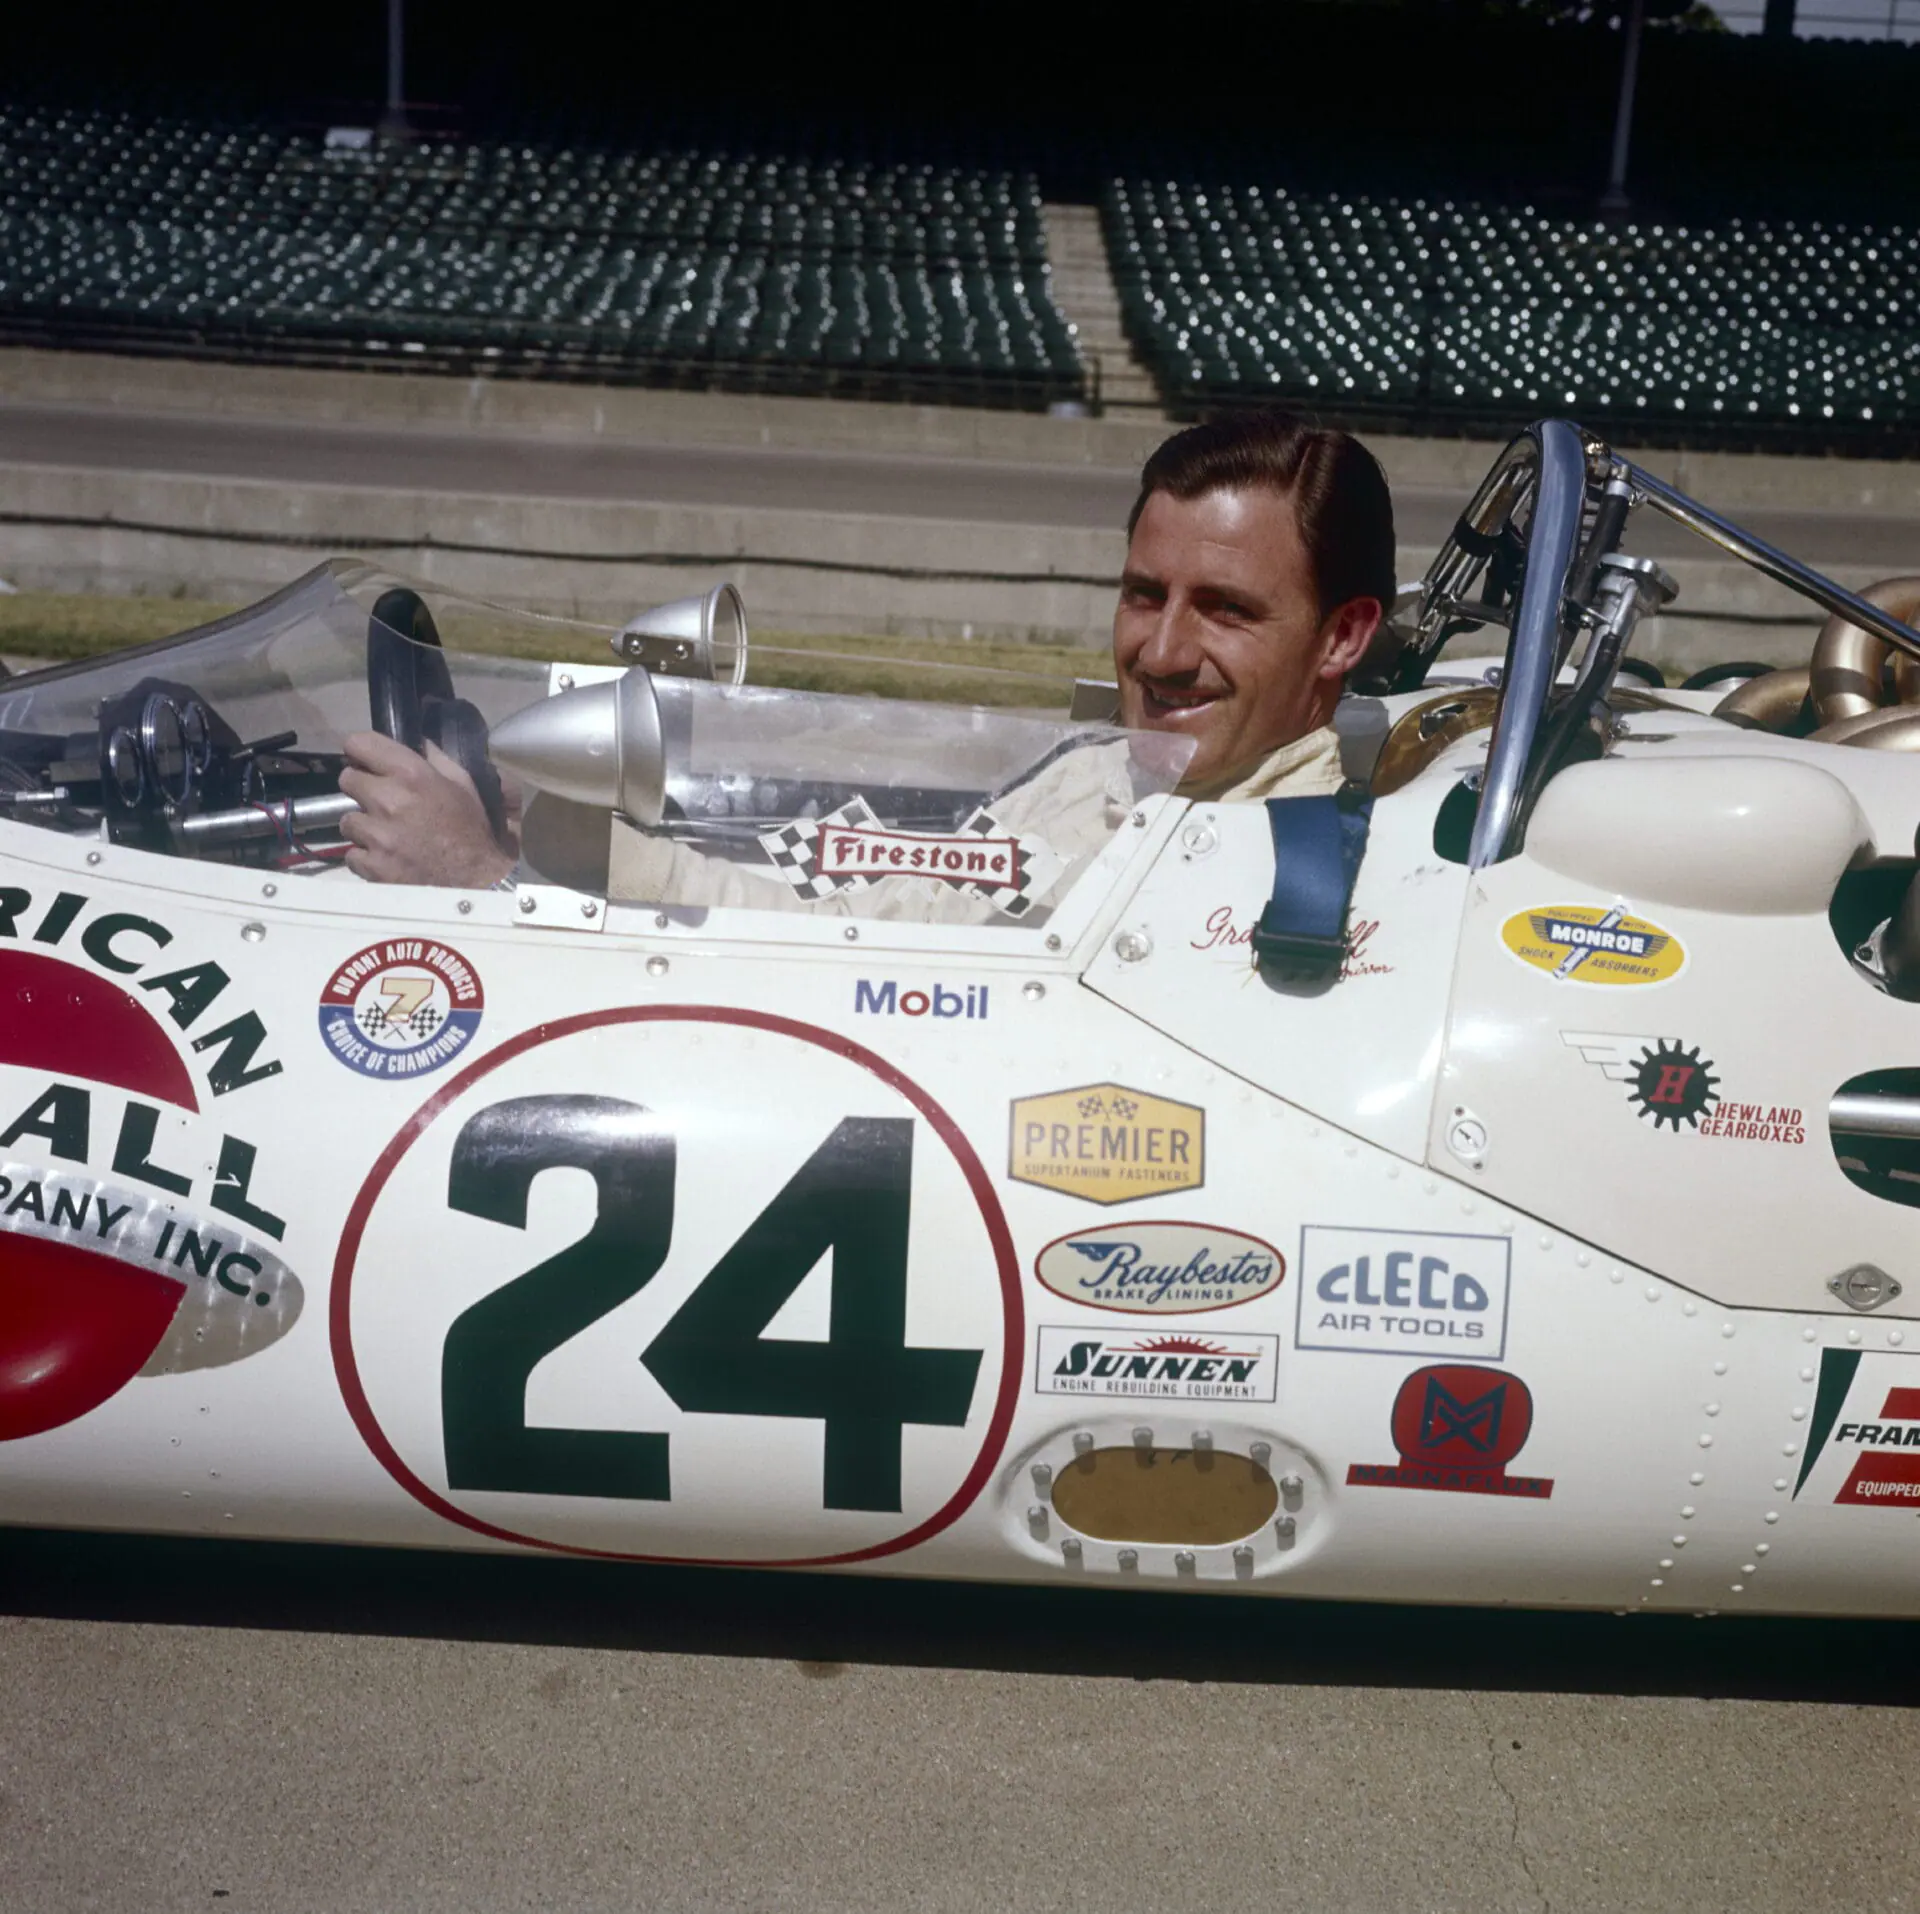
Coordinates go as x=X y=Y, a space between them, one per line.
x=1141 y=595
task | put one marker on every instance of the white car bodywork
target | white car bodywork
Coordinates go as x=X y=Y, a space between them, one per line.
x=1074 y=1250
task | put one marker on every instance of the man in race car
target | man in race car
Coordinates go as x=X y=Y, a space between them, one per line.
x=1260 y=561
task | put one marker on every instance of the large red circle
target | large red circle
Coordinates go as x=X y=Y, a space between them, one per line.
x=1012 y=1357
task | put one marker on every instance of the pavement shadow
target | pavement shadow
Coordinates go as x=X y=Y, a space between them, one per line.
x=818 y=1619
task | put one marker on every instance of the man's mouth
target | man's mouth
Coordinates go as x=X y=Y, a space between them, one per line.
x=1174 y=701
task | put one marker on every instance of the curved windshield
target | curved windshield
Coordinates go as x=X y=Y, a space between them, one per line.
x=228 y=743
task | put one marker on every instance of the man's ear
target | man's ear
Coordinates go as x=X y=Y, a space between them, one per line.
x=1346 y=634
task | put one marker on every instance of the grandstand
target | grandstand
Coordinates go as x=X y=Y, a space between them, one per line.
x=1430 y=311
x=664 y=267
x=704 y=267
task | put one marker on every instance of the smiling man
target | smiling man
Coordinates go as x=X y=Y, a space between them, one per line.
x=1260 y=562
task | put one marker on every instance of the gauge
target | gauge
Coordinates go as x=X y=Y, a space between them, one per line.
x=163 y=748
x=123 y=766
x=196 y=733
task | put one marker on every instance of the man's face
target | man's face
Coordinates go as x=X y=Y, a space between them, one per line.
x=1218 y=634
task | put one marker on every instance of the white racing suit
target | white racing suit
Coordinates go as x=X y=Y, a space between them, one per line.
x=1073 y=807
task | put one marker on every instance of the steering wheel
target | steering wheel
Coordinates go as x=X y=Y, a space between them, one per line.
x=405 y=666
x=410 y=696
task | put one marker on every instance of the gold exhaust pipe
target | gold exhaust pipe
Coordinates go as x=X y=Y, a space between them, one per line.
x=1896 y=728
x=1770 y=702
x=1848 y=662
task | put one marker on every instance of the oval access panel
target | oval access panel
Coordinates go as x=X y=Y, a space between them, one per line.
x=1194 y=1498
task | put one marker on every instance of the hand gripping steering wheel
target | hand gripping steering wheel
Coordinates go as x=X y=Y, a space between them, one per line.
x=410 y=696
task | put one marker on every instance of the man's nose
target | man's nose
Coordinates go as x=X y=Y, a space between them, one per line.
x=1173 y=647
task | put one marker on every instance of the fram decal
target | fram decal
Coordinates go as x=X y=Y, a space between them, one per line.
x=850 y=848
x=1107 y=1143
x=1402 y=1292
x=1224 y=932
x=1675 y=1087
x=1863 y=1445
x=1186 y=1367
x=1457 y=1427
x=1160 y=1268
x=401 y=1008
x=888 y=999
x=1593 y=944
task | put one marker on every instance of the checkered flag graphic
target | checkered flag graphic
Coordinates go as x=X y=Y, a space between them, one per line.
x=795 y=849
x=795 y=852
x=1011 y=900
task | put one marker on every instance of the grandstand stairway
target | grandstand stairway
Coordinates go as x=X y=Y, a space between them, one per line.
x=1084 y=291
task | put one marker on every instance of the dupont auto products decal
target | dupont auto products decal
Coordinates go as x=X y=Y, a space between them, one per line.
x=1595 y=944
x=1107 y=1143
x=1457 y=1427
x=1151 y=1267
x=135 y=1237
x=773 y=1263
x=1402 y=1292
x=1863 y=1445
x=401 y=1008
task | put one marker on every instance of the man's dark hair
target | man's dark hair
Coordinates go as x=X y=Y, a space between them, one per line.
x=1339 y=493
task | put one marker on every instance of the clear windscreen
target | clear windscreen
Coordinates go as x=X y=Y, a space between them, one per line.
x=228 y=743
x=787 y=800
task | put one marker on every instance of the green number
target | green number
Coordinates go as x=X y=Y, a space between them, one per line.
x=492 y=1347
x=850 y=1198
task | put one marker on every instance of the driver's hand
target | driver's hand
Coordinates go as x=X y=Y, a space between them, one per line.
x=420 y=820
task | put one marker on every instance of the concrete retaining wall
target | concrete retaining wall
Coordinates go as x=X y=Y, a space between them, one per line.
x=799 y=571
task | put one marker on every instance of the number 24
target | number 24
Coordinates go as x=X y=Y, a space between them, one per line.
x=852 y=1196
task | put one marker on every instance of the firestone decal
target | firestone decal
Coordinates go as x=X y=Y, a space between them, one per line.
x=1156 y=1267
x=1593 y=944
x=401 y=1008
x=850 y=848
x=1107 y=1143
x=1457 y=1427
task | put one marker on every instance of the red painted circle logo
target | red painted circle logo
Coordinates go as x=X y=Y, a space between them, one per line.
x=109 y=1267
x=681 y=1283
x=1460 y=1416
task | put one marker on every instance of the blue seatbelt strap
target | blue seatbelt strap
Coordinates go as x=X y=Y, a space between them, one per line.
x=1318 y=843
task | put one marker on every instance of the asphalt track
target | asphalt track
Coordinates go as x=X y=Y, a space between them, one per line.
x=202 y=1725
x=972 y=491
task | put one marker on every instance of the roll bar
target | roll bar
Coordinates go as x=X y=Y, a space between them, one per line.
x=1552 y=479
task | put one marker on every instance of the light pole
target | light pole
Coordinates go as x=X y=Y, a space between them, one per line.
x=396 y=115
x=1614 y=199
